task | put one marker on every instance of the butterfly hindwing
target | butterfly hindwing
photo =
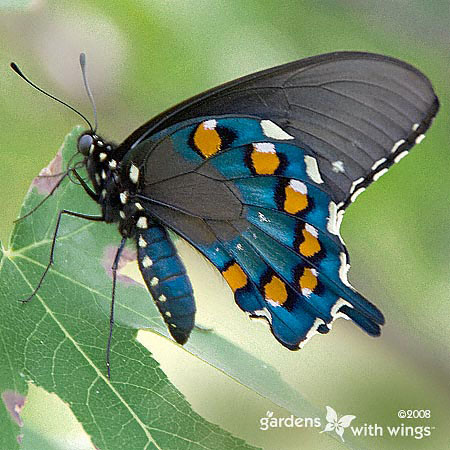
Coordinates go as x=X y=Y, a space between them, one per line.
x=257 y=224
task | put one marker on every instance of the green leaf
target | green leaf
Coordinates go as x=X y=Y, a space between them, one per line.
x=57 y=340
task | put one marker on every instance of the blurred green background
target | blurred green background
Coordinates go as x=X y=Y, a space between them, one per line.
x=144 y=56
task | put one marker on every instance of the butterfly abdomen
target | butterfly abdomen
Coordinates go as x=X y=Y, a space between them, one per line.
x=166 y=279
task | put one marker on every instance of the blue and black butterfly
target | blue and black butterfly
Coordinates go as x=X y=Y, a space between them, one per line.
x=256 y=174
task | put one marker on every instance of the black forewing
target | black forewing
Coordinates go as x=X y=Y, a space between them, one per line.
x=351 y=110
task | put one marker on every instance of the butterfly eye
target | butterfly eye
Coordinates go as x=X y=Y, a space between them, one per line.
x=84 y=144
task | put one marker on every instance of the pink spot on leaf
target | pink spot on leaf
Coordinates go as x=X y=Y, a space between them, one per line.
x=127 y=256
x=14 y=403
x=46 y=180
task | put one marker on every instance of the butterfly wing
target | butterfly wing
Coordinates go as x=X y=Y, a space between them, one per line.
x=256 y=207
x=256 y=174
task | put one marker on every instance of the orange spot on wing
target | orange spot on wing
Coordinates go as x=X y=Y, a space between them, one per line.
x=275 y=290
x=310 y=245
x=265 y=163
x=295 y=201
x=207 y=140
x=308 y=280
x=235 y=277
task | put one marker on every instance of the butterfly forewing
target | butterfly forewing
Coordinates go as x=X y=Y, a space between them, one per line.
x=356 y=112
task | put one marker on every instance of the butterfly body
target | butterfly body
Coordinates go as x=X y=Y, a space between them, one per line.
x=256 y=175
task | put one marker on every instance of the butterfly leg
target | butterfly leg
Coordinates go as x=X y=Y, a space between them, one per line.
x=56 y=186
x=52 y=250
x=113 y=297
x=85 y=186
x=88 y=190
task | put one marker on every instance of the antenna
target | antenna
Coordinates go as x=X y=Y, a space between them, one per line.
x=88 y=90
x=19 y=72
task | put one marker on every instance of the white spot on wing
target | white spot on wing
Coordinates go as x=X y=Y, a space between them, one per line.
x=272 y=302
x=264 y=147
x=113 y=164
x=154 y=281
x=334 y=219
x=310 y=229
x=298 y=186
x=332 y=216
x=102 y=156
x=142 y=222
x=358 y=192
x=262 y=217
x=420 y=138
x=123 y=197
x=338 y=166
x=239 y=247
x=210 y=124
x=400 y=156
x=335 y=313
x=380 y=173
x=378 y=163
x=134 y=173
x=415 y=126
x=312 y=169
x=147 y=262
x=344 y=268
x=355 y=184
x=162 y=298
x=272 y=130
x=142 y=242
x=312 y=331
x=397 y=145
x=122 y=214
x=263 y=313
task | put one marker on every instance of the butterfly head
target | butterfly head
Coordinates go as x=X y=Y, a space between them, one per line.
x=97 y=156
x=94 y=148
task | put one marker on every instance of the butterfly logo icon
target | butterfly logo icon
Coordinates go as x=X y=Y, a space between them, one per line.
x=338 y=425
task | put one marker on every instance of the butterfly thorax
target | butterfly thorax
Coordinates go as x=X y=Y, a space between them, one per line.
x=116 y=192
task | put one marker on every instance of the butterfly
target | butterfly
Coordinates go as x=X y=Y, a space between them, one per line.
x=256 y=174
